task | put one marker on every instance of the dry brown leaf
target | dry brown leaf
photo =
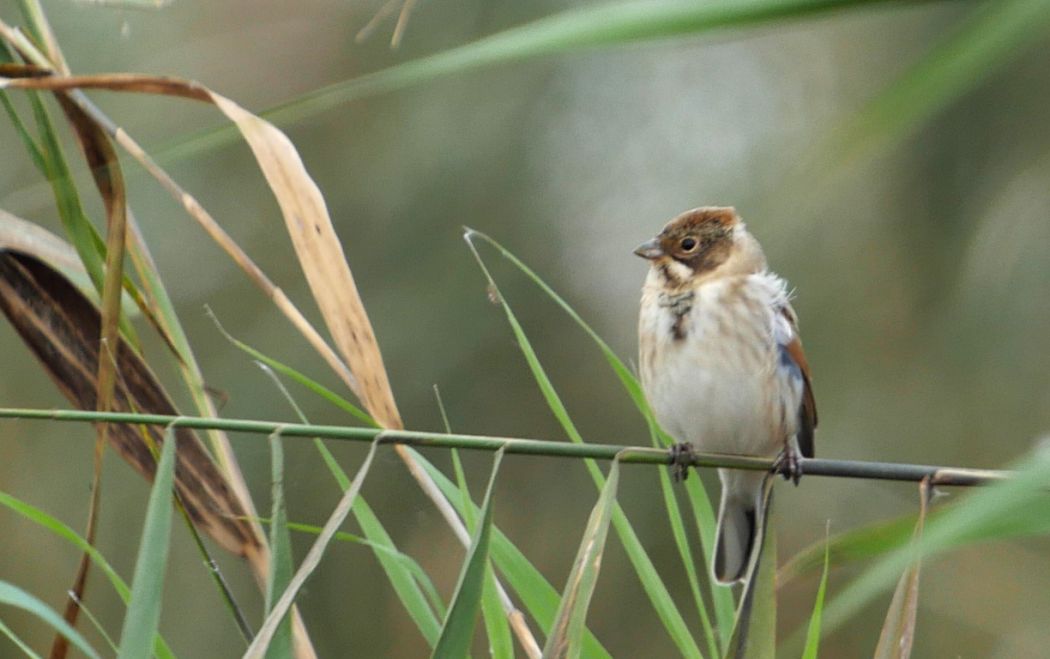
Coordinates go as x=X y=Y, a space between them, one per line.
x=191 y=90
x=306 y=217
x=321 y=257
x=25 y=236
x=61 y=327
x=105 y=169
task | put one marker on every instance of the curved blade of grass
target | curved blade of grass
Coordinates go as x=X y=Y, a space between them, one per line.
x=898 y=630
x=458 y=628
x=698 y=499
x=143 y=616
x=407 y=561
x=754 y=634
x=322 y=259
x=81 y=232
x=19 y=643
x=982 y=514
x=297 y=194
x=109 y=180
x=991 y=36
x=602 y=25
x=536 y=593
x=850 y=546
x=406 y=582
x=497 y=628
x=28 y=141
x=281 y=551
x=884 y=536
x=12 y=595
x=60 y=529
x=566 y=637
x=24 y=236
x=650 y=579
x=722 y=598
x=813 y=632
x=273 y=619
x=401 y=579
x=681 y=540
x=541 y=602
x=99 y=629
x=295 y=375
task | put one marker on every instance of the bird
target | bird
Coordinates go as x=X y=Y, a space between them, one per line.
x=722 y=366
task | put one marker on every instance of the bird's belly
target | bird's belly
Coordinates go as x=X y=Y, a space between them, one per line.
x=717 y=407
x=719 y=395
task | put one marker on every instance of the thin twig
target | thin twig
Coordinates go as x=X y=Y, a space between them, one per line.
x=631 y=454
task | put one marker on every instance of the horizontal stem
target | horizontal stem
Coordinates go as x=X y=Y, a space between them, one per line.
x=628 y=454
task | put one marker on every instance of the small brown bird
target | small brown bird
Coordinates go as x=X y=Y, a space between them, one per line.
x=722 y=365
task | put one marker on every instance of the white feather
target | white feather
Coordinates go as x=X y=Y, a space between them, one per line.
x=722 y=387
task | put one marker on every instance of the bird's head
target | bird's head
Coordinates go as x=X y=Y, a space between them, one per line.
x=703 y=243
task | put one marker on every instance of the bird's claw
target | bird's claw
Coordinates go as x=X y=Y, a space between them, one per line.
x=681 y=459
x=789 y=464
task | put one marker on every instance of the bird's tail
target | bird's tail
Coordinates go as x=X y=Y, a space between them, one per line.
x=739 y=517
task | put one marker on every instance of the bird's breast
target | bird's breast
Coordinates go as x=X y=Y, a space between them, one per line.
x=708 y=364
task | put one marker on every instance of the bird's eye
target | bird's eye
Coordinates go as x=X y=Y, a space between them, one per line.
x=688 y=244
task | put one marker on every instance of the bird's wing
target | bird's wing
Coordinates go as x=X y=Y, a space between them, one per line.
x=794 y=360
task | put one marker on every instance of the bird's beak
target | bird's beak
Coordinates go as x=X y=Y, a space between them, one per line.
x=650 y=249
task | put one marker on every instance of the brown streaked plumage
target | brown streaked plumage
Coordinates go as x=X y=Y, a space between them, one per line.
x=722 y=364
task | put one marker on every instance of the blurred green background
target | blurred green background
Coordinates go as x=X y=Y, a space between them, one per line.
x=920 y=254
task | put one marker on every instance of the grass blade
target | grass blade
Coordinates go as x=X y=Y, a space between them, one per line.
x=401 y=579
x=650 y=579
x=565 y=639
x=99 y=629
x=850 y=546
x=102 y=160
x=982 y=514
x=699 y=501
x=898 y=631
x=405 y=580
x=601 y=25
x=14 y=596
x=458 y=629
x=639 y=559
x=992 y=35
x=19 y=643
x=281 y=552
x=60 y=529
x=277 y=613
x=81 y=232
x=295 y=375
x=536 y=593
x=143 y=616
x=813 y=632
x=405 y=560
x=497 y=627
x=607 y=24
x=754 y=633
x=681 y=540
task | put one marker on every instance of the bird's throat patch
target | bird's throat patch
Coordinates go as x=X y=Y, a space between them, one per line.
x=679 y=304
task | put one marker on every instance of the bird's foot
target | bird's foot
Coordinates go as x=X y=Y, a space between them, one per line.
x=681 y=459
x=789 y=464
